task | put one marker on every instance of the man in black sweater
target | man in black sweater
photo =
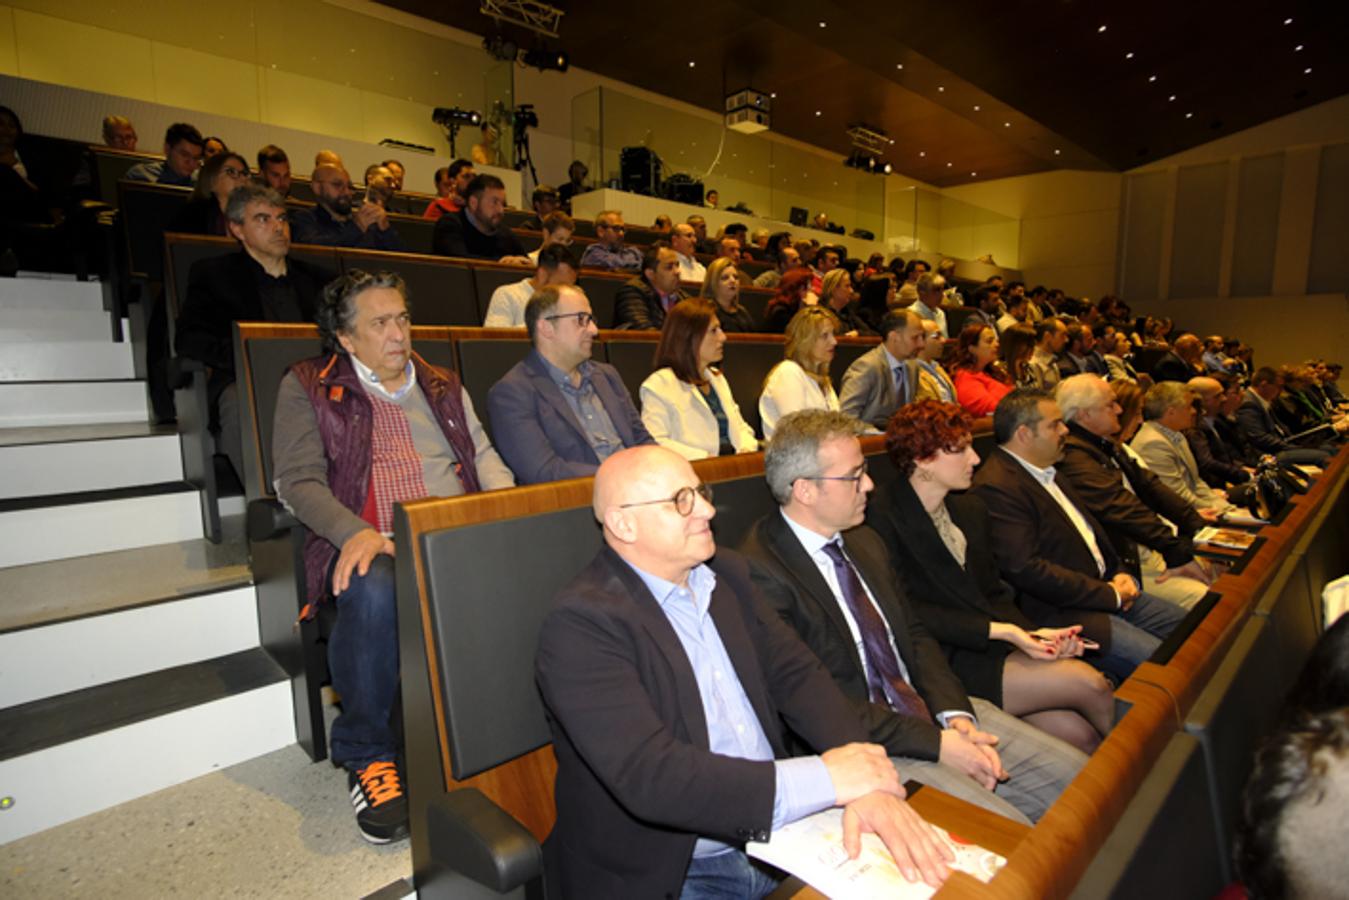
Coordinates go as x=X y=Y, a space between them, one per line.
x=475 y=231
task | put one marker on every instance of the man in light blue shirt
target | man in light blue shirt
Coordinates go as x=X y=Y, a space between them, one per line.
x=667 y=680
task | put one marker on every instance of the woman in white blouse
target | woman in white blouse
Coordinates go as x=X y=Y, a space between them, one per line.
x=801 y=380
x=686 y=403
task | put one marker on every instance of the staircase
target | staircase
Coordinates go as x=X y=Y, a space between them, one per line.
x=129 y=651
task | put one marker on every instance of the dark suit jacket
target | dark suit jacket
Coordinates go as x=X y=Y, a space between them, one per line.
x=223 y=290
x=636 y=783
x=956 y=604
x=1219 y=464
x=1129 y=517
x=792 y=582
x=535 y=430
x=1041 y=554
x=1172 y=368
x=455 y=235
x=637 y=306
x=1259 y=427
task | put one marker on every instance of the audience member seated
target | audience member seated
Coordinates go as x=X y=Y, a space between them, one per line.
x=1263 y=434
x=980 y=379
x=801 y=380
x=21 y=201
x=1052 y=550
x=1182 y=362
x=205 y=212
x=545 y=202
x=877 y=297
x=1038 y=307
x=886 y=377
x=557 y=413
x=1016 y=312
x=686 y=403
x=1301 y=408
x=728 y=248
x=274 y=169
x=1168 y=412
x=182 y=157
x=1220 y=464
x=451 y=189
x=397 y=170
x=939 y=547
x=557 y=231
x=829 y=577
x=721 y=285
x=1214 y=359
x=487 y=152
x=1051 y=335
x=1118 y=367
x=1079 y=356
x=556 y=266
x=1149 y=525
x=359 y=429
x=684 y=242
x=663 y=224
x=609 y=251
x=212 y=146
x=625 y=645
x=785 y=258
x=643 y=302
x=699 y=226
x=119 y=133
x=476 y=231
x=836 y=293
x=576 y=176
x=332 y=222
x=1016 y=346
x=934 y=383
x=930 y=290
x=259 y=283
x=1290 y=838
x=791 y=296
x=379 y=183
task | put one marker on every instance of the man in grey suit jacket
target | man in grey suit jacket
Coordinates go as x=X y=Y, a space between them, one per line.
x=882 y=380
x=1168 y=410
x=558 y=414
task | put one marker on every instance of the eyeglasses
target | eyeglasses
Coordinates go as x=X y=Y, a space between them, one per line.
x=683 y=499
x=233 y=172
x=856 y=478
x=583 y=319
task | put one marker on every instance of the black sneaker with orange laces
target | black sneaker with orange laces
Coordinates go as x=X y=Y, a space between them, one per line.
x=380 y=804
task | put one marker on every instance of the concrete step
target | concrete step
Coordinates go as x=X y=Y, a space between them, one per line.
x=59 y=403
x=66 y=361
x=36 y=529
x=34 y=470
x=20 y=325
x=41 y=662
x=50 y=293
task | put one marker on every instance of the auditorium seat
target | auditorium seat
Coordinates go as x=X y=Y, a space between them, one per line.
x=746 y=365
x=487 y=277
x=603 y=292
x=956 y=317
x=483 y=360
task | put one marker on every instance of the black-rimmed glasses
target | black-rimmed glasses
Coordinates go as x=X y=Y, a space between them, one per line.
x=855 y=478
x=583 y=319
x=683 y=499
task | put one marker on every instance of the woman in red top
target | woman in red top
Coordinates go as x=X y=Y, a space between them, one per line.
x=979 y=379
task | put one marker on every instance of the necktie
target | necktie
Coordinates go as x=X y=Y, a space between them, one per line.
x=885 y=683
x=901 y=385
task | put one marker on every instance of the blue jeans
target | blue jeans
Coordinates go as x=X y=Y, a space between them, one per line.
x=727 y=876
x=1136 y=634
x=363 y=660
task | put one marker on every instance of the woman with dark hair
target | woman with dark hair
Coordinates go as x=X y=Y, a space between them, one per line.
x=1129 y=396
x=939 y=545
x=1018 y=345
x=686 y=403
x=205 y=212
x=801 y=380
x=791 y=296
x=878 y=295
x=20 y=199
x=979 y=379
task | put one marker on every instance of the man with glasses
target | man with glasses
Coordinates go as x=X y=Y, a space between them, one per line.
x=667 y=681
x=555 y=265
x=557 y=413
x=476 y=232
x=332 y=222
x=829 y=577
x=609 y=251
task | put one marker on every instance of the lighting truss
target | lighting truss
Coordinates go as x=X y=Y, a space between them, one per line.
x=868 y=139
x=537 y=17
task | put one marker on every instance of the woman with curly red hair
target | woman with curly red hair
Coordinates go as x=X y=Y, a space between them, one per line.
x=979 y=379
x=793 y=290
x=939 y=546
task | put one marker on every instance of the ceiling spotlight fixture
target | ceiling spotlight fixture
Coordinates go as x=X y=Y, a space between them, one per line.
x=1129 y=55
x=1288 y=21
x=500 y=48
x=1297 y=49
x=940 y=89
x=824 y=24
x=1006 y=124
x=974 y=174
x=1307 y=71
x=1189 y=115
x=1101 y=30
x=866 y=162
x=773 y=96
x=948 y=165
x=546 y=60
x=1152 y=79
x=818 y=112
x=899 y=65
x=1057 y=152
x=976 y=107
x=1171 y=99
x=922 y=153
x=692 y=64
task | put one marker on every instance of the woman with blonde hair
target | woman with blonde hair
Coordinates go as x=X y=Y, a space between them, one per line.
x=801 y=380
x=721 y=285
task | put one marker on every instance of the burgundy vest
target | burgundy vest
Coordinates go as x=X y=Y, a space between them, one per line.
x=344 y=415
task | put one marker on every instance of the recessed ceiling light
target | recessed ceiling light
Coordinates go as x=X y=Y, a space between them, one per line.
x=940 y=89
x=692 y=64
x=773 y=96
x=823 y=24
x=1189 y=115
x=1307 y=71
x=1057 y=152
x=1129 y=55
x=1288 y=21
x=976 y=107
x=1297 y=49
x=1151 y=79
x=817 y=112
x=1006 y=124
x=892 y=140
x=974 y=174
x=948 y=165
x=1101 y=30
x=922 y=153
x=899 y=65
x=1171 y=99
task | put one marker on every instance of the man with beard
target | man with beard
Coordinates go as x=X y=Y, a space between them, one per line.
x=475 y=231
x=332 y=222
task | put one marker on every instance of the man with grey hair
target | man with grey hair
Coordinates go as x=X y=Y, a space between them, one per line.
x=557 y=413
x=1150 y=526
x=358 y=429
x=885 y=378
x=1051 y=548
x=259 y=283
x=1168 y=412
x=931 y=287
x=829 y=577
x=119 y=133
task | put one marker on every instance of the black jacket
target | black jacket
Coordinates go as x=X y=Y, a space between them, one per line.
x=1219 y=464
x=789 y=578
x=956 y=604
x=1172 y=368
x=455 y=235
x=637 y=306
x=1096 y=469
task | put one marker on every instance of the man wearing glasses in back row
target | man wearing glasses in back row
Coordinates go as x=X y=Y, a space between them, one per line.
x=609 y=251
x=559 y=414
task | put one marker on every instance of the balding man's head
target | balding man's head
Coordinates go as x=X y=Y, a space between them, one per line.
x=1189 y=348
x=654 y=512
x=332 y=189
x=1210 y=392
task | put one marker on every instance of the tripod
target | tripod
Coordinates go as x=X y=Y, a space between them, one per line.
x=521 y=153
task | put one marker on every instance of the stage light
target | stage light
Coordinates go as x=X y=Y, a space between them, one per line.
x=548 y=60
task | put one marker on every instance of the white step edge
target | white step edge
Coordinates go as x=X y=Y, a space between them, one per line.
x=48 y=293
x=36 y=663
x=66 y=361
x=79 y=529
x=18 y=325
x=62 y=783
x=72 y=403
x=34 y=470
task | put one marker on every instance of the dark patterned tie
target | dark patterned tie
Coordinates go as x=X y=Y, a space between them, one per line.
x=885 y=682
x=901 y=385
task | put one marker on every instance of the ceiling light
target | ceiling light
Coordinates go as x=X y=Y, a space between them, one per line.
x=692 y=64
x=1307 y=71
x=1101 y=30
x=1288 y=21
x=887 y=169
x=817 y=112
x=899 y=65
x=1297 y=49
x=940 y=89
x=546 y=60
x=948 y=165
x=1006 y=124
x=823 y=24
x=922 y=153
x=1057 y=152
x=976 y=107
x=974 y=174
x=1151 y=79
x=1129 y=55
x=773 y=96
x=1171 y=99
x=1189 y=115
